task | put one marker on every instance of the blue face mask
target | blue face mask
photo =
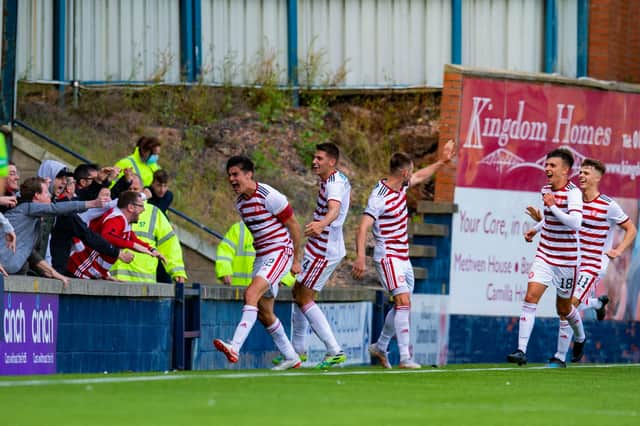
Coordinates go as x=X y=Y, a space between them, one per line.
x=153 y=159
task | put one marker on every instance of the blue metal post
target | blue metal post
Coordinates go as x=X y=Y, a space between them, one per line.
x=292 y=50
x=550 y=36
x=8 y=80
x=583 y=38
x=186 y=40
x=456 y=32
x=197 y=38
x=59 y=32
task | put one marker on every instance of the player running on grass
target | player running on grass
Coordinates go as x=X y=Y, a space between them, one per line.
x=387 y=212
x=600 y=215
x=276 y=239
x=322 y=254
x=557 y=256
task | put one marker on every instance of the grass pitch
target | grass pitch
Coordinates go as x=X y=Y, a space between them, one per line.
x=455 y=395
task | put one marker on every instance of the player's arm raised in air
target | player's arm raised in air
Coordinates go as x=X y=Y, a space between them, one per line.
x=448 y=153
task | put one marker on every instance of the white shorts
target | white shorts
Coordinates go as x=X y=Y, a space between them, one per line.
x=585 y=286
x=396 y=275
x=273 y=267
x=316 y=271
x=562 y=278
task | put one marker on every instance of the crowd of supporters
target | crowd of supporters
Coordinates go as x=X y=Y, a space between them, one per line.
x=92 y=222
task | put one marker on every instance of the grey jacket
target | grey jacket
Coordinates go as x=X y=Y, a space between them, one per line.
x=25 y=218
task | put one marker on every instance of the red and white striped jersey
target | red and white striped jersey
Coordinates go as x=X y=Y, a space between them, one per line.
x=264 y=213
x=559 y=244
x=388 y=208
x=596 y=234
x=85 y=262
x=330 y=244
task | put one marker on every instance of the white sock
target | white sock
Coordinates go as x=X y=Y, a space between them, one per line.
x=564 y=340
x=401 y=324
x=590 y=303
x=276 y=330
x=321 y=327
x=249 y=316
x=575 y=321
x=527 y=320
x=388 y=331
x=300 y=330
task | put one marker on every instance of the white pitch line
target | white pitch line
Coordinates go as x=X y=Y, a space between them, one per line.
x=248 y=375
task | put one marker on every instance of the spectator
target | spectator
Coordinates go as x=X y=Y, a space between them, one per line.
x=154 y=229
x=68 y=226
x=161 y=197
x=12 y=186
x=7 y=228
x=235 y=256
x=90 y=179
x=114 y=226
x=33 y=204
x=144 y=159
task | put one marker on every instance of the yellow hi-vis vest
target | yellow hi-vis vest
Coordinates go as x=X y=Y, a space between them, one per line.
x=154 y=228
x=235 y=256
x=141 y=168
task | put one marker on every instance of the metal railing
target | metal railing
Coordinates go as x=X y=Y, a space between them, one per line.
x=74 y=154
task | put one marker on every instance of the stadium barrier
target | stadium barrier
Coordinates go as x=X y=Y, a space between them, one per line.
x=101 y=326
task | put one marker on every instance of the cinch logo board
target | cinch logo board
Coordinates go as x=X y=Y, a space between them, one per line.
x=506 y=128
x=29 y=334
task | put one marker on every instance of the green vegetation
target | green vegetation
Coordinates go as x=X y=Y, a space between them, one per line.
x=202 y=126
x=464 y=395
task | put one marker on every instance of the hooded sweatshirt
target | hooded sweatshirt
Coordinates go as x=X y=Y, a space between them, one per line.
x=25 y=218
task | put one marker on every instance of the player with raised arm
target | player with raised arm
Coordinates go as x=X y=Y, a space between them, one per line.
x=387 y=212
x=276 y=239
x=600 y=216
x=557 y=255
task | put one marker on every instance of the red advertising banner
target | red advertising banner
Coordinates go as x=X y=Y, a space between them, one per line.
x=507 y=128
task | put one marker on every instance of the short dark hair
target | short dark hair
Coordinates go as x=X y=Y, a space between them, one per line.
x=596 y=164
x=330 y=148
x=128 y=197
x=160 y=176
x=245 y=164
x=30 y=187
x=83 y=171
x=147 y=143
x=564 y=154
x=399 y=161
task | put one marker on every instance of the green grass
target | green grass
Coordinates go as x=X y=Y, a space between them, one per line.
x=456 y=395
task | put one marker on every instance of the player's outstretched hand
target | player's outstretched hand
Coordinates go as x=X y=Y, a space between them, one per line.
x=449 y=151
x=534 y=213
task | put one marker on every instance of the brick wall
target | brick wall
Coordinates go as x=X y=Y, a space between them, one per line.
x=614 y=40
x=449 y=115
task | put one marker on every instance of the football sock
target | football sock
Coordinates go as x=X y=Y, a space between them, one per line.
x=388 y=331
x=321 y=327
x=300 y=330
x=527 y=320
x=575 y=321
x=248 y=319
x=276 y=330
x=564 y=340
x=401 y=323
x=590 y=303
